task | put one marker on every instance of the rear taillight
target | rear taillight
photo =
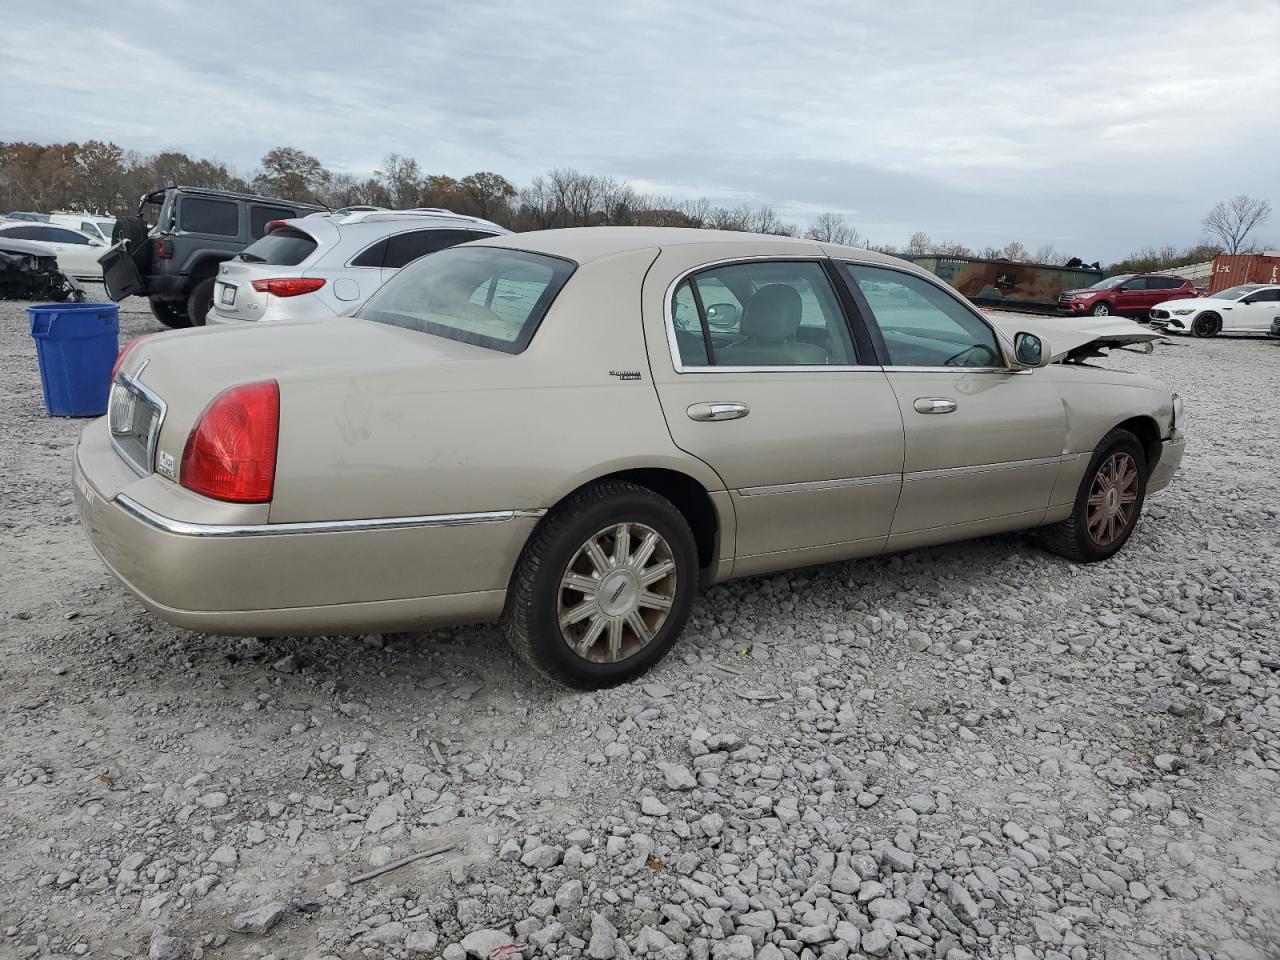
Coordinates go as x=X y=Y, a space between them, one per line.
x=271 y=225
x=231 y=452
x=164 y=248
x=289 y=286
x=124 y=352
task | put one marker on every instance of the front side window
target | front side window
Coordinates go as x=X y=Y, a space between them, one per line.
x=487 y=296
x=60 y=235
x=219 y=218
x=922 y=325
x=1235 y=293
x=768 y=313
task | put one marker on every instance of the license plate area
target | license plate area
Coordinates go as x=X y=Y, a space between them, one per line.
x=226 y=294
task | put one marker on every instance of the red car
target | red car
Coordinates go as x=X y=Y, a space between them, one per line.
x=1130 y=294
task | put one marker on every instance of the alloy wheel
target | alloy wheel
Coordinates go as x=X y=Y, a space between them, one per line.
x=1112 y=498
x=617 y=592
x=1102 y=310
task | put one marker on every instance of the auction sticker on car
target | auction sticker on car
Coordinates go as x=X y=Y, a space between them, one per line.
x=228 y=295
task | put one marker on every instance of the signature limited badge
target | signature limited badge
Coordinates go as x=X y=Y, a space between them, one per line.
x=625 y=374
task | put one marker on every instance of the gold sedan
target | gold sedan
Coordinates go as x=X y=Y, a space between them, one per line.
x=572 y=431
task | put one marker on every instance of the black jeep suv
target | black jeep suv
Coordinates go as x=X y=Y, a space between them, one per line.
x=169 y=253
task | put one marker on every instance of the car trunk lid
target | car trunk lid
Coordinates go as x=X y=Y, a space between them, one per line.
x=181 y=372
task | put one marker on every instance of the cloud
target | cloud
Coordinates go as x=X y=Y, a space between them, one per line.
x=1099 y=127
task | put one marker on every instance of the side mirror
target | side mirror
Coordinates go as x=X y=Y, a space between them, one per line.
x=722 y=315
x=1248 y=300
x=1030 y=351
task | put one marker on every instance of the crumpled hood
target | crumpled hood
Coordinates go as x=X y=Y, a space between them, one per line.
x=1076 y=336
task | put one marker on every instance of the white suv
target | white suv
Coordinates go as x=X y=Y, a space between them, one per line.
x=328 y=264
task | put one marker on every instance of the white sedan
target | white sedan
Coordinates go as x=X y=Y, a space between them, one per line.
x=1248 y=308
x=77 y=252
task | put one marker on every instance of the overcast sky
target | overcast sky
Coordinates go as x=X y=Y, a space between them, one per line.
x=1098 y=127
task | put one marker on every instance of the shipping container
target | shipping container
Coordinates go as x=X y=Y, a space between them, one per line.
x=1244 y=268
x=1006 y=283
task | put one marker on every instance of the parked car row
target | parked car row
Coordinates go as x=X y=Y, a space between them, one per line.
x=1248 y=308
x=219 y=257
x=77 y=252
x=1174 y=305
x=572 y=431
x=1128 y=294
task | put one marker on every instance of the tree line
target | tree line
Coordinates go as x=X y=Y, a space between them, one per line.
x=105 y=178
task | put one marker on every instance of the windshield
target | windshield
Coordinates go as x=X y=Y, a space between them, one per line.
x=1235 y=293
x=1110 y=282
x=488 y=296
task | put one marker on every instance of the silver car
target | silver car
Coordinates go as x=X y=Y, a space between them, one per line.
x=328 y=264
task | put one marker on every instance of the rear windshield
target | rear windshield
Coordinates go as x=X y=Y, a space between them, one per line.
x=282 y=247
x=488 y=296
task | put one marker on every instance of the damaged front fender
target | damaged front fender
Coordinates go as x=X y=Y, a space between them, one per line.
x=29 y=272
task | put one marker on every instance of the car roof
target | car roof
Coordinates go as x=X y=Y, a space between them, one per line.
x=583 y=244
x=236 y=195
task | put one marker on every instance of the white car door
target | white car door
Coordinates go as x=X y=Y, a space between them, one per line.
x=1254 y=313
x=77 y=252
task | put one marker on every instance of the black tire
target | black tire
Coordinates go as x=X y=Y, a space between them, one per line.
x=133 y=229
x=1072 y=538
x=200 y=302
x=172 y=313
x=1206 y=325
x=1102 y=309
x=531 y=619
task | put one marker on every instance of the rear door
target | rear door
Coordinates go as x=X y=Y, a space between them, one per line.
x=758 y=375
x=984 y=443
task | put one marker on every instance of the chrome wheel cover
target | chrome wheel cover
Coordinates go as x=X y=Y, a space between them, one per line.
x=616 y=592
x=1112 y=498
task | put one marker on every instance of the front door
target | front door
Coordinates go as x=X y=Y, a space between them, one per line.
x=758 y=376
x=1132 y=297
x=983 y=442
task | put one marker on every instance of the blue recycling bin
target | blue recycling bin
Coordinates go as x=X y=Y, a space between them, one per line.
x=76 y=345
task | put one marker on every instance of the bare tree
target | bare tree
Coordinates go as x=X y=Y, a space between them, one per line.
x=402 y=180
x=950 y=248
x=918 y=244
x=1014 y=251
x=832 y=228
x=1231 y=221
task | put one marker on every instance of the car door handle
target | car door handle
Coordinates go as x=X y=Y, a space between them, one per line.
x=935 y=405
x=718 y=411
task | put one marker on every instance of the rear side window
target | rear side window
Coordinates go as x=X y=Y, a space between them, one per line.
x=28 y=233
x=1137 y=283
x=487 y=296
x=259 y=217
x=216 y=217
x=404 y=248
x=284 y=247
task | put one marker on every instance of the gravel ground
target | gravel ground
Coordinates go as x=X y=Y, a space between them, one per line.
x=977 y=750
